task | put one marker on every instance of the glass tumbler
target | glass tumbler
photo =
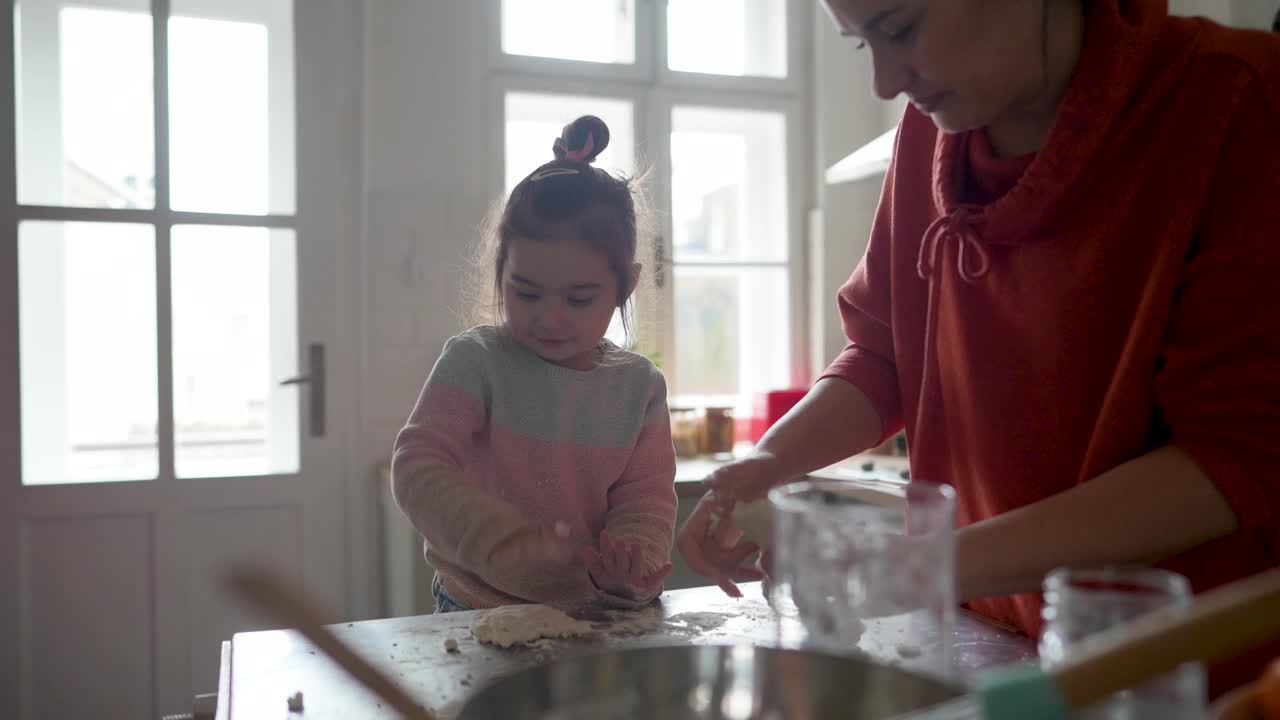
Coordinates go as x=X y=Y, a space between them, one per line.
x=866 y=566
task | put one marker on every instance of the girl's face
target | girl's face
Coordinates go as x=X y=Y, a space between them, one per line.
x=966 y=63
x=559 y=297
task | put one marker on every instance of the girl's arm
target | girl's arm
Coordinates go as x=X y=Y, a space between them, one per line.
x=484 y=534
x=642 y=503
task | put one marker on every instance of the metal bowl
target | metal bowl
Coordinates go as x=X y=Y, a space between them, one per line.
x=707 y=681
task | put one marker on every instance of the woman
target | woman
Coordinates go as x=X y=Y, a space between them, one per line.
x=1067 y=300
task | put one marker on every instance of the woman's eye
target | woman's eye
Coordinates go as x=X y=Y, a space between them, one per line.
x=904 y=35
x=527 y=297
x=581 y=302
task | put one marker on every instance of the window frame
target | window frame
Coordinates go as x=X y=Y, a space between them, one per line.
x=161 y=217
x=656 y=91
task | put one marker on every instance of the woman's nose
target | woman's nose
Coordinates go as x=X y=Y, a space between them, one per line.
x=892 y=77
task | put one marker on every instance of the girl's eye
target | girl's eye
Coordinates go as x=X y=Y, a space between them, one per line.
x=527 y=297
x=861 y=45
x=581 y=302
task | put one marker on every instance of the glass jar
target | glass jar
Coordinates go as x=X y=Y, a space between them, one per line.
x=717 y=431
x=686 y=432
x=1079 y=603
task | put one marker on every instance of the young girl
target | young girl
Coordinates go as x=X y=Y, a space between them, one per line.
x=537 y=463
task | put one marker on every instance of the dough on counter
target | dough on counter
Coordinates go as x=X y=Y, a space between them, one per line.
x=451 y=645
x=519 y=624
x=295 y=702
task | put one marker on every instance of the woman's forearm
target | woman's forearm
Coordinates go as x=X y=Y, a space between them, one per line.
x=833 y=421
x=1146 y=510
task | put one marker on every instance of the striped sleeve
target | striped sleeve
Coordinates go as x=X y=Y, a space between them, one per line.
x=642 y=502
x=460 y=522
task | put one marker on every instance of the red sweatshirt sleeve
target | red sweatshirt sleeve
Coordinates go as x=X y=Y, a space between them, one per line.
x=868 y=360
x=1218 y=389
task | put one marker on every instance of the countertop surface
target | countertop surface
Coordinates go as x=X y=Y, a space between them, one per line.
x=262 y=669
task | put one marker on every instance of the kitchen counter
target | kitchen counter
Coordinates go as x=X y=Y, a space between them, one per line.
x=262 y=669
x=691 y=472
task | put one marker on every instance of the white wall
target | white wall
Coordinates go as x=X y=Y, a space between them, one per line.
x=1256 y=14
x=847 y=115
x=426 y=188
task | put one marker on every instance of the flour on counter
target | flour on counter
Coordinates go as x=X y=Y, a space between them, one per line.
x=522 y=624
x=698 y=621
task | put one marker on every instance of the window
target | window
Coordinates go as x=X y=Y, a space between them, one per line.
x=703 y=95
x=158 y=305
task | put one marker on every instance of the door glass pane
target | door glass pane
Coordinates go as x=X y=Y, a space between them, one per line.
x=235 y=337
x=728 y=185
x=728 y=37
x=231 y=109
x=535 y=120
x=85 y=114
x=732 y=334
x=601 y=31
x=87 y=348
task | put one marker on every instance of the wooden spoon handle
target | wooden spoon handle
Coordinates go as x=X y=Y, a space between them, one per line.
x=289 y=607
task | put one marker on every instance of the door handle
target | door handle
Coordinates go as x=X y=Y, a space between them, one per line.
x=315 y=380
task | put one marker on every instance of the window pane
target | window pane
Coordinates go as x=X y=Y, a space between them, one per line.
x=231 y=110
x=84 y=104
x=728 y=185
x=87 y=348
x=234 y=339
x=728 y=37
x=535 y=120
x=601 y=31
x=732 y=334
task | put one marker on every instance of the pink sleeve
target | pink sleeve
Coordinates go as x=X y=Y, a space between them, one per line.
x=642 y=503
x=462 y=523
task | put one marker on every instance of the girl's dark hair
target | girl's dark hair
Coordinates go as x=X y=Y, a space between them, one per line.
x=568 y=198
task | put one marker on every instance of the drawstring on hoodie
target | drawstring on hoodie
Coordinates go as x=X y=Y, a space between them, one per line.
x=956 y=226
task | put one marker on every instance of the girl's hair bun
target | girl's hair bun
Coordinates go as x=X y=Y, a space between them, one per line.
x=582 y=140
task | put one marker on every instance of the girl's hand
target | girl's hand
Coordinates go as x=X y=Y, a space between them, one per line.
x=619 y=569
x=537 y=545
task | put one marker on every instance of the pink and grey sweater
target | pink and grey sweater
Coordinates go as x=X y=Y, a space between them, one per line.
x=501 y=439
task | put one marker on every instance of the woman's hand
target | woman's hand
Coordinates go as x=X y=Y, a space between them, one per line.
x=619 y=568
x=709 y=541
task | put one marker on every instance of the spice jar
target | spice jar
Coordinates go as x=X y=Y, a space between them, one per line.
x=717 y=431
x=686 y=432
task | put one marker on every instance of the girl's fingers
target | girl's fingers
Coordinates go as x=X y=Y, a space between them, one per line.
x=657 y=576
x=595 y=565
x=635 y=565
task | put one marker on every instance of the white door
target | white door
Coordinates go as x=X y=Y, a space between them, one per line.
x=169 y=255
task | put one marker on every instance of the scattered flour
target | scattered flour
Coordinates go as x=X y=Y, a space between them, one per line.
x=699 y=620
x=908 y=650
x=523 y=624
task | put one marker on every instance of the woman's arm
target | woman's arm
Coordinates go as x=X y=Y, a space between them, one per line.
x=1146 y=510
